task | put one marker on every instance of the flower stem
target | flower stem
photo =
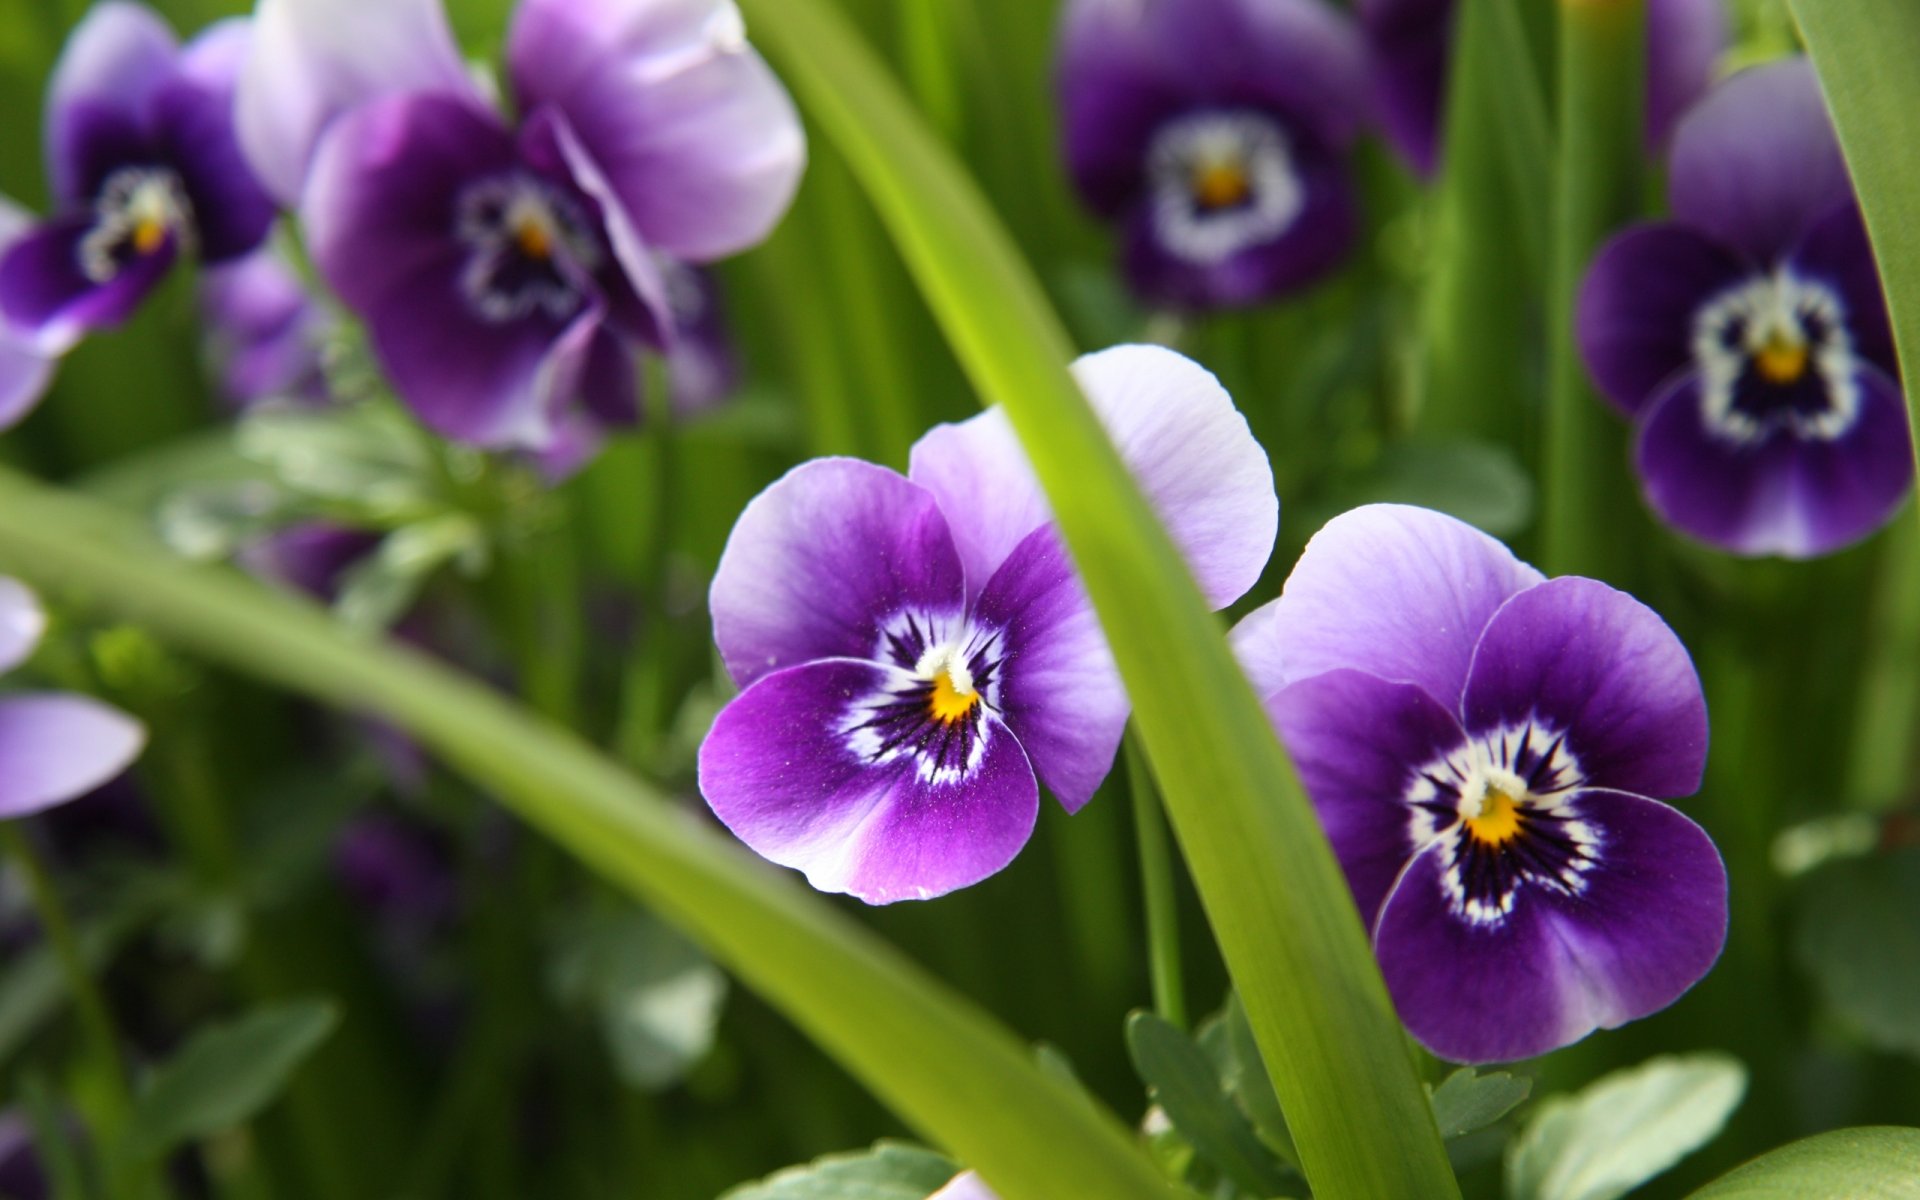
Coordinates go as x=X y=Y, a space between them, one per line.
x=1156 y=884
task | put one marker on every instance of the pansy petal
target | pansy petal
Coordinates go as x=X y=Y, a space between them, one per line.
x=1060 y=692
x=782 y=770
x=1410 y=42
x=1757 y=160
x=1173 y=424
x=193 y=113
x=22 y=621
x=1782 y=495
x=1357 y=742
x=50 y=299
x=25 y=373
x=1647 y=922
x=819 y=561
x=55 y=747
x=1115 y=87
x=1685 y=39
x=1302 y=59
x=964 y=1186
x=1835 y=251
x=1637 y=306
x=1396 y=591
x=698 y=137
x=311 y=60
x=1598 y=666
x=113 y=63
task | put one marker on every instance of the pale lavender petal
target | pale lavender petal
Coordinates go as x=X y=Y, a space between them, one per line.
x=1060 y=692
x=965 y=1186
x=1358 y=743
x=783 y=771
x=264 y=331
x=193 y=120
x=312 y=60
x=1685 y=39
x=818 y=562
x=25 y=373
x=55 y=747
x=22 y=621
x=1647 y=922
x=698 y=137
x=1174 y=425
x=1638 y=303
x=1756 y=161
x=1398 y=592
x=114 y=62
x=1596 y=665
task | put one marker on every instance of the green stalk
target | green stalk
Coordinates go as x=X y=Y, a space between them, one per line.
x=1880 y=765
x=1588 y=508
x=945 y=1067
x=1156 y=886
x=1273 y=891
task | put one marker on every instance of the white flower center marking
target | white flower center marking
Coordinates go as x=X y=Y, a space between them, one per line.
x=137 y=211
x=1774 y=352
x=1221 y=182
x=532 y=249
x=934 y=714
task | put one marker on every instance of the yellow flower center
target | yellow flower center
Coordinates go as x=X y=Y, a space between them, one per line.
x=1498 y=821
x=1220 y=184
x=534 y=239
x=148 y=234
x=1782 y=360
x=952 y=700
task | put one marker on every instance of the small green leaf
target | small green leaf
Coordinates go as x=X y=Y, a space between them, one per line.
x=1856 y=937
x=1874 y=1163
x=889 y=1171
x=1625 y=1129
x=656 y=996
x=1465 y=1101
x=226 y=1074
x=1190 y=1092
x=1247 y=1079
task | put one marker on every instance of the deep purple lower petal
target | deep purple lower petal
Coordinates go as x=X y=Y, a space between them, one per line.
x=47 y=295
x=1411 y=42
x=780 y=769
x=1638 y=303
x=55 y=747
x=1357 y=742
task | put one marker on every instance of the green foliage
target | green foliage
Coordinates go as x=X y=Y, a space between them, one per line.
x=889 y=1171
x=1857 y=936
x=1873 y=1163
x=226 y=1074
x=1616 y=1134
x=1466 y=1102
x=1187 y=1088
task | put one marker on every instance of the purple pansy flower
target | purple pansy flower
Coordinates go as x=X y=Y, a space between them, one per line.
x=144 y=169
x=1747 y=337
x=1481 y=743
x=918 y=653
x=1411 y=44
x=507 y=272
x=1214 y=132
x=21 y=1176
x=265 y=332
x=702 y=367
x=25 y=369
x=54 y=747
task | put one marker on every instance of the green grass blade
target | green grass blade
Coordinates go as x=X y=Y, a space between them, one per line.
x=1278 y=903
x=945 y=1067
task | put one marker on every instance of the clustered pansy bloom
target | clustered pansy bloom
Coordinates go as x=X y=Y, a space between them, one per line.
x=54 y=747
x=1481 y=745
x=144 y=168
x=1411 y=46
x=265 y=333
x=1747 y=337
x=507 y=268
x=1215 y=134
x=917 y=652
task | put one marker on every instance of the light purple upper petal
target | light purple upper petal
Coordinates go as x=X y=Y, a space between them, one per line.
x=781 y=770
x=1060 y=692
x=263 y=329
x=22 y=621
x=55 y=747
x=1174 y=425
x=311 y=60
x=1638 y=303
x=1603 y=669
x=1396 y=591
x=1685 y=39
x=699 y=139
x=817 y=562
x=193 y=116
x=1756 y=161
x=1647 y=923
x=964 y=1186
x=114 y=62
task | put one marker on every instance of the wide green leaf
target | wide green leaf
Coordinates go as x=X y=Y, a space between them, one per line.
x=226 y=1074
x=889 y=1171
x=1194 y=1098
x=949 y=1070
x=1277 y=901
x=1856 y=936
x=1872 y=1163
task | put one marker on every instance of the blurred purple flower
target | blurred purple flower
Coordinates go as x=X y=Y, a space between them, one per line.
x=1214 y=132
x=1480 y=743
x=916 y=650
x=25 y=370
x=702 y=366
x=54 y=747
x=20 y=1175
x=1747 y=337
x=264 y=330
x=1411 y=43
x=395 y=870
x=312 y=556
x=144 y=169
x=507 y=274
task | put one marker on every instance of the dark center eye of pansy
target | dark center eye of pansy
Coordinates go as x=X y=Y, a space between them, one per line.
x=531 y=249
x=1221 y=182
x=138 y=212
x=934 y=716
x=1774 y=354
x=1499 y=811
